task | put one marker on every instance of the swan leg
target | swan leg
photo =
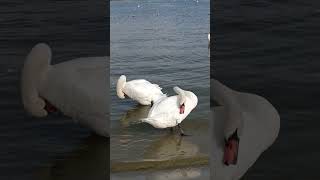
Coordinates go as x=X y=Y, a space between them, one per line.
x=181 y=131
x=179 y=142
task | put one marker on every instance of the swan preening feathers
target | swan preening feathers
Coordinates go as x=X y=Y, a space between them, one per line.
x=171 y=111
x=77 y=88
x=166 y=111
x=139 y=90
x=244 y=125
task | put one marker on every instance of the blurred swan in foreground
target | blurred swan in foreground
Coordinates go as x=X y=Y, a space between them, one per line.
x=77 y=88
x=244 y=125
x=171 y=111
x=139 y=90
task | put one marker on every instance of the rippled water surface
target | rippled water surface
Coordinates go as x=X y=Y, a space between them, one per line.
x=164 y=42
x=271 y=48
x=33 y=148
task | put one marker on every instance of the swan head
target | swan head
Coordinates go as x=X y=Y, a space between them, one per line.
x=182 y=95
x=232 y=134
x=49 y=107
x=120 y=85
x=182 y=98
x=231 y=148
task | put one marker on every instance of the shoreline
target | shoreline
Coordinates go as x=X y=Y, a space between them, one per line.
x=195 y=161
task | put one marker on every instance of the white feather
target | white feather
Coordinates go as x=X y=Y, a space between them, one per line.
x=258 y=120
x=78 y=88
x=139 y=90
x=166 y=112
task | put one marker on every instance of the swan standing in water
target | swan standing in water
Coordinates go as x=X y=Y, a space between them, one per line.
x=139 y=90
x=244 y=125
x=171 y=111
x=77 y=88
x=209 y=44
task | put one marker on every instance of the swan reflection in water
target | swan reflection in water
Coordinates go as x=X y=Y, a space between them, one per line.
x=169 y=147
x=89 y=161
x=133 y=116
x=200 y=173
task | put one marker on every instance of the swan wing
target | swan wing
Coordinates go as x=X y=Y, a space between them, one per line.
x=146 y=84
x=163 y=120
x=165 y=105
x=78 y=89
x=142 y=91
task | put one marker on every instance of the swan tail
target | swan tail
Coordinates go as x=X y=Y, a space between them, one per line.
x=157 y=86
x=155 y=122
x=34 y=69
x=148 y=120
x=120 y=85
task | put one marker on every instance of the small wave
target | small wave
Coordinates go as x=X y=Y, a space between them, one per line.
x=201 y=160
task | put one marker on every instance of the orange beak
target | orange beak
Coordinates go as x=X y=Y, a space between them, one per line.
x=49 y=107
x=231 y=149
x=231 y=152
x=181 y=108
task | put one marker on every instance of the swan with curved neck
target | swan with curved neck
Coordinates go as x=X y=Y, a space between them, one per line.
x=139 y=90
x=244 y=125
x=171 y=111
x=233 y=124
x=77 y=88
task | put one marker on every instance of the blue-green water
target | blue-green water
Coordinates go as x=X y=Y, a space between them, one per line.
x=164 y=42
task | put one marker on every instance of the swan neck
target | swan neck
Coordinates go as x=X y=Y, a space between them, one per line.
x=221 y=93
x=226 y=97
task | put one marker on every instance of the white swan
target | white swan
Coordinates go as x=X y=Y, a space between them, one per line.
x=77 y=88
x=209 y=44
x=171 y=111
x=245 y=121
x=139 y=90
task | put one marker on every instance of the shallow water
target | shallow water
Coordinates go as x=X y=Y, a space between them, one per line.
x=271 y=48
x=199 y=173
x=164 y=42
x=30 y=144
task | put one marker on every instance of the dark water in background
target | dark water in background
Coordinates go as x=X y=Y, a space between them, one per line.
x=34 y=148
x=271 y=48
x=164 y=42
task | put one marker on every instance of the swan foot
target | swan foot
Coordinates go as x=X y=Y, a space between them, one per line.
x=182 y=132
